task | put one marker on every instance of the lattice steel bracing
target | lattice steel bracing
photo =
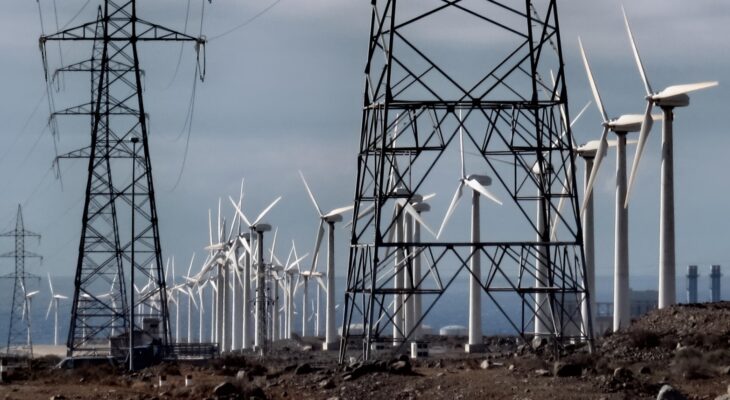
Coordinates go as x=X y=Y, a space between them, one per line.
x=120 y=242
x=436 y=68
x=20 y=340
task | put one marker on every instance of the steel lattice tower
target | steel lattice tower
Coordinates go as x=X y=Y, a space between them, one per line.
x=120 y=240
x=19 y=327
x=419 y=95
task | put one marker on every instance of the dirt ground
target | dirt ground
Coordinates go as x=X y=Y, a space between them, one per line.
x=687 y=347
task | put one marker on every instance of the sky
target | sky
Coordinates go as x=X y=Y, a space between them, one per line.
x=284 y=93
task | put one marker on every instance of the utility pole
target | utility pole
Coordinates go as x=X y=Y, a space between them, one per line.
x=416 y=87
x=117 y=115
x=19 y=328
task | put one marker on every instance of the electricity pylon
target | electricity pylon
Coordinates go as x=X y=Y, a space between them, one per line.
x=420 y=98
x=120 y=239
x=19 y=328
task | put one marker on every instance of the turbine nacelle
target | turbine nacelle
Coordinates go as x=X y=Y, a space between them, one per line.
x=422 y=207
x=333 y=218
x=626 y=123
x=483 y=180
x=677 y=100
x=261 y=228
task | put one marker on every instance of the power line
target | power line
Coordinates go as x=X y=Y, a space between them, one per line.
x=189 y=122
x=22 y=130
x=180 y=53
x=244 y=23
x=77 y=14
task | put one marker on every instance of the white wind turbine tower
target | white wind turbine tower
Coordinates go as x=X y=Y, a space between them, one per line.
x=290 y=288
x=588 y=153
x=306 y=276
x=27 y=310
x=621 y=126
x=667 y=100
x=415 y=310
x=272 y=275
x=191 y=301
x=55 y=298
x=477 y=184
x=330 y=218
x=259 y=228
x=201 y=309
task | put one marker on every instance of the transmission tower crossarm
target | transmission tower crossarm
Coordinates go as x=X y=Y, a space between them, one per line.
x=88 y=109
x=27 y=275
x=26 y=254
x=22 y=232
x=146 y=31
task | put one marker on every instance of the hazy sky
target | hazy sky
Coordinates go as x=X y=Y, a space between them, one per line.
x=284 y=93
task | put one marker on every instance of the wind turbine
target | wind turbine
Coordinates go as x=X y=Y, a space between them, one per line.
x=291 y=287
x=55 y=298
x=621 y=126
x=667 y=100
x=329 y=218
x=259 y=228
x=27 y=309
x=477 y=184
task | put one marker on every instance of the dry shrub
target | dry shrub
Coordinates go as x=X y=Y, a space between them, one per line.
x=718 y=358
x=644 y=339
x=690 y=364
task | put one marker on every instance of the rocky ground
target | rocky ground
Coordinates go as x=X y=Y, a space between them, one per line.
x=686 y=347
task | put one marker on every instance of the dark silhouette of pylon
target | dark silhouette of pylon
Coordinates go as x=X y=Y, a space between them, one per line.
x=421 y=98
x=19 y=327
x=119 y=266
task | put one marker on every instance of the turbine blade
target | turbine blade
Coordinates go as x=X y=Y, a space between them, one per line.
x=643 y=136
x=273 y=246
x=210 y=228
x=407 y=207
x=190 y=267
x=50 y=305
x=428 y=197
x=368 y=210
x=245 y=244
x=218 y=231
x=452 y=207
x=50 y=284
x=461 y=147
x=338 y=211
x=239 y=212
x=266 y=210
x=592 y=81
x=240 y=194
x=580 y=114
x=566 y=185
x=683 y=89
x=311 y=195
x=482 y=190
x=600 y=154
x=637 y=58
x=317 y=244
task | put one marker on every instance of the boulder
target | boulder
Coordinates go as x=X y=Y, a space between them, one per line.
x=255 y=393
x=303 y=369
x=669 y=393
x=327 y=384
x=539 y=343
x=400 y=367
x=542 y=372
x=225 y=389
x=565 y=369
x=622 y=374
